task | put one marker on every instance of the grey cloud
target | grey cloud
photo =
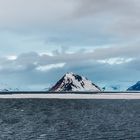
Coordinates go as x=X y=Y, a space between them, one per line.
x=119 y=8
x=32 y=60
x=91 y=7
x=33 y=12
x=135 y=64
x=96 y=54
x=120 y=17
x=70 y=22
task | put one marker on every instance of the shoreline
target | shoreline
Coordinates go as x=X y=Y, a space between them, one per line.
x=71 y=96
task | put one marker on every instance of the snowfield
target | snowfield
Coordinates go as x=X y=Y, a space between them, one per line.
x=71 y=96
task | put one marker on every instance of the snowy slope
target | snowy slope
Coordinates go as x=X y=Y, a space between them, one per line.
x=74 y=82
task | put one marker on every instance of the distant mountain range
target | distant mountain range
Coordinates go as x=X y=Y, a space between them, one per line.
x=74 y=82
x=112 y=87
x=8 y=89
x=135 y=87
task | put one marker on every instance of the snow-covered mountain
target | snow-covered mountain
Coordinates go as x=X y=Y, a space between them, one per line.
x=74 y=82
x=112 y=87
x=8 y=89
x=135 y=87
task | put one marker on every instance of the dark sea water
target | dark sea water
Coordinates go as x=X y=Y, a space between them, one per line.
x=46 y=119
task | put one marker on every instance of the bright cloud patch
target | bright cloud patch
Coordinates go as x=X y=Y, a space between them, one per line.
x=11 y=57
x=116 y=61
x=49 y=67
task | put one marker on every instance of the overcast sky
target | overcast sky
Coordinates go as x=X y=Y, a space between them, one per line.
x=41 y=40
